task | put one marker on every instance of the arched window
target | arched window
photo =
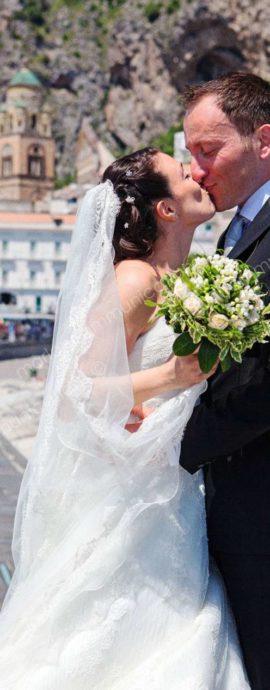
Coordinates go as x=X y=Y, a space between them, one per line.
x=36 y=161
x=7 y=161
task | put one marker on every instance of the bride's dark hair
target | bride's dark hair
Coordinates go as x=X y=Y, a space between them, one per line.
x=138 y=185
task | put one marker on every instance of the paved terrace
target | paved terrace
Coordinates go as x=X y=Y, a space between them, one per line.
x=20 y=404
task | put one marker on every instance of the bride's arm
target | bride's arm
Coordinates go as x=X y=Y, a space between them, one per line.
x=137 y=281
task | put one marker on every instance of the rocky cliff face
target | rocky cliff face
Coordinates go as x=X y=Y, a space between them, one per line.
x=124 y=64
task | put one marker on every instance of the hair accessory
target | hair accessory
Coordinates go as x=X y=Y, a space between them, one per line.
x=130 y=199
x=126 y=225
x=129 y=173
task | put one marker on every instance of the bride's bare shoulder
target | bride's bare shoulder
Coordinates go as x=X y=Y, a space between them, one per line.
x=136 y=273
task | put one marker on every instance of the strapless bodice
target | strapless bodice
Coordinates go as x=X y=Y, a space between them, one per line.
x=152 y=349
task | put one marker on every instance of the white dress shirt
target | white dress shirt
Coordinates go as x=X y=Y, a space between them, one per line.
x=247 y=212
x=255 y=202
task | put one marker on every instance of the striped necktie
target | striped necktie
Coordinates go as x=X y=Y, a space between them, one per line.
x=238 y=225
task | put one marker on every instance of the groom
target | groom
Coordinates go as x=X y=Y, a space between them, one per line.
x=227 y=130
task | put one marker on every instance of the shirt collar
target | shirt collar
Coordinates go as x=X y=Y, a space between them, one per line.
x=255 y=202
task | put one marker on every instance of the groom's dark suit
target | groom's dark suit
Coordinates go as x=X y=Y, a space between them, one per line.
x=231 y=426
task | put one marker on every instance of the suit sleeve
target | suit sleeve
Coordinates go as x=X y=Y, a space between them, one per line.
x=219 y=428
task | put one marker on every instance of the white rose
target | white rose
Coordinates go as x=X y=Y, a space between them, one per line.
x=193 y=303
x=181 y=289
x=218 y=321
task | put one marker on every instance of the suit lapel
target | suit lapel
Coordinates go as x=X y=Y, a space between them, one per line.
x=257 y=227
x=221 y=239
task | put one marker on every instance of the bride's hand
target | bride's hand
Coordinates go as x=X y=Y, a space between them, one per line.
x=140 y=412
x=184 y=372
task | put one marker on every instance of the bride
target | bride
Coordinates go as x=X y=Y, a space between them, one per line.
x=112 y=587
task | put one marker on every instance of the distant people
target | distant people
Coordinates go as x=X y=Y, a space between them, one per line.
x=11 y=332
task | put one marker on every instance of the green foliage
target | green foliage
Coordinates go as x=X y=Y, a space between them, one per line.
x=152 y=10
x=68 y=36
x=173 y=6
x=165 y=142
x=34 y=11
x=73 y=4
x=63 y=181
x=83 y=23
x=40 y=59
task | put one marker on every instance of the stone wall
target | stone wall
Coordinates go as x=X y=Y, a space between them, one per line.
x=125 y=69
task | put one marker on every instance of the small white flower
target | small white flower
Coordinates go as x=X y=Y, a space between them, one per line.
x=219 y=321
x=129 y=173
x=259 y=304
x=198 y=281
x=181 y=289
x=216 y=297
x=244 y=296
x=253 y=316
x=239 y=323
x=126 y=225
x=193 y=303
x=200 y=262
x=130 y=199
x=247 y=274
x=209 y=299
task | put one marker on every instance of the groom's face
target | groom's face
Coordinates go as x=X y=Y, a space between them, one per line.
x=226 y=164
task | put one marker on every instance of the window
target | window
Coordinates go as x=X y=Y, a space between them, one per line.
x=57 y=277
x=57 y=246
x=33 y=121
x=33 y=275
x=33 y=245
x=7 y=161
x=36 y=161
x=5 y=245
x=5 y=276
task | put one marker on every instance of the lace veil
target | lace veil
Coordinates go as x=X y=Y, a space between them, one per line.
x=88 y=479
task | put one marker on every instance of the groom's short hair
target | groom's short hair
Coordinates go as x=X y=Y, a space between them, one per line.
x=243 y=97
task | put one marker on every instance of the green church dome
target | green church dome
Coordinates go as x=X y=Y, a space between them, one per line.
x=25 y=78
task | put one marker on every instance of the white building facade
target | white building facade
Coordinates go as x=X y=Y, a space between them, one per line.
x=34 y=249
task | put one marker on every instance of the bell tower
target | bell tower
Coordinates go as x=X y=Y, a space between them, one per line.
x=26 y=145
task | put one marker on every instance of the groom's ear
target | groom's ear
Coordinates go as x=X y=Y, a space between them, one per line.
x=165 y=211
x=264 y=139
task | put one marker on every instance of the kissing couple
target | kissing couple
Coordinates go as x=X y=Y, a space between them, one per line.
x=114 y=588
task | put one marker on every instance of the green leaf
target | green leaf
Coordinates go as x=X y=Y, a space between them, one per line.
x=207 y=355
x=226 y=363
x=184 y=345
x=149 y=303
x=236 y=355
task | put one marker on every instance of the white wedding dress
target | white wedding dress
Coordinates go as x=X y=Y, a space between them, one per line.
x=112 y=588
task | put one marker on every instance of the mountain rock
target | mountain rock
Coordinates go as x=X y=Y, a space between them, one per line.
x=123 y=67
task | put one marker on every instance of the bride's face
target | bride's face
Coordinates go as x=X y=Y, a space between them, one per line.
x=192 y=204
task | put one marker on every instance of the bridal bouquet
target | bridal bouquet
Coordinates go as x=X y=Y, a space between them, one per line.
x=217 y=305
